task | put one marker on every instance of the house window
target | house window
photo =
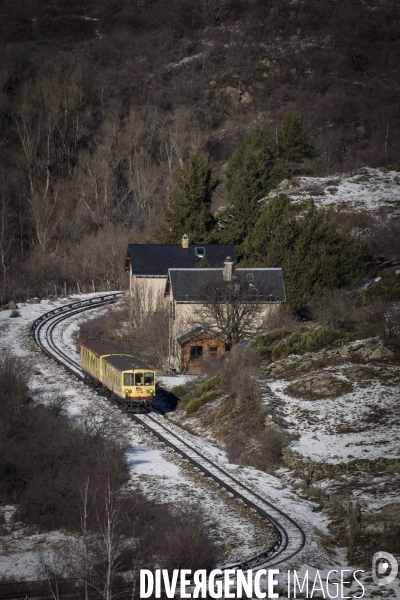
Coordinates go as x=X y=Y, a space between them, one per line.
x=200 y=252
x=213 y=352
x=250 y=276
x=196 y=352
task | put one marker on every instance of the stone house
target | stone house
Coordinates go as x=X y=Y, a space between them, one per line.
x=190 y=339
x=148 y=265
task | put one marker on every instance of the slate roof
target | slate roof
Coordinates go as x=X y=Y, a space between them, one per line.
x=156 y=259
x=185 y=283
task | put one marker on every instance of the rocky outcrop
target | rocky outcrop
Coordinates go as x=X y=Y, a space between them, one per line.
x=236 y=95
x=315 y=471
x=321 y=385
x=363 y=350
x=10 y=306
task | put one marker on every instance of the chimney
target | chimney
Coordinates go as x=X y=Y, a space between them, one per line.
x=228 y=269
x=185 y=241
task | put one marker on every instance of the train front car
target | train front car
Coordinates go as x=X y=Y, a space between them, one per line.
x=133 y=382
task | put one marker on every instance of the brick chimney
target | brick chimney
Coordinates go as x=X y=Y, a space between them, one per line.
x=185 y=241
x=228 y=269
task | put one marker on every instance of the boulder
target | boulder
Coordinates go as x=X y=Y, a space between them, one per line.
x=10 y=306
x=381 y=353
x=367 y=350
x=246 y=98
x=233 y=93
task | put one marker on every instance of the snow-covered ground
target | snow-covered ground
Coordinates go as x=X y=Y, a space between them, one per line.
x=370 y=190
x=155 y=470
x=366 y=432
x=160 y=474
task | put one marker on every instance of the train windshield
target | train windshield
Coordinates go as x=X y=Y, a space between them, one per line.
x=128 y=379
x=138 y=378
x=149 y=379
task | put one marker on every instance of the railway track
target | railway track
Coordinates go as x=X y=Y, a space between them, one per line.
x=290 y=536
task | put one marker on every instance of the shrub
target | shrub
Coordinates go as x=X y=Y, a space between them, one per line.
x=387 y=288
x=312 y=340
x=209 y=390
x=280 y=343
x=264 y=342
x=178 y=391
x=15 y=313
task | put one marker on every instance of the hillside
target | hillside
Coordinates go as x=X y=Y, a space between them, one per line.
x=101 y=102
x=367 y=190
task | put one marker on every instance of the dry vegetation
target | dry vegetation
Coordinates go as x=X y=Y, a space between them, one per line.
x=238 y=418
x=142 y=332
x=101 y=101
x=76 y=483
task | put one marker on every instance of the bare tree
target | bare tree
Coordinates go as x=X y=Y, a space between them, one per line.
x=8 y=229
x=148 y=336
x=236 y=308
x=109 y=521
x=213 y=10
x=42 y=120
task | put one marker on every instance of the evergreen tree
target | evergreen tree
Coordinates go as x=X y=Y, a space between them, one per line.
x=204 y=263
x=306 y=243
x=252 y=172
x=189 y=209
x=273 y=235
x=321 y=258
x=294 y=138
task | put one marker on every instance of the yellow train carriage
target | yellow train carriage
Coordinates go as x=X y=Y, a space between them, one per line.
x=92 y=354
x=115 y=369
x=129 y=378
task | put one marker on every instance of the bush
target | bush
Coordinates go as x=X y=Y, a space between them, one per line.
x=387 y=288
x=178 y=391
x=209 y=390
x=312 y=340
x=263 y=342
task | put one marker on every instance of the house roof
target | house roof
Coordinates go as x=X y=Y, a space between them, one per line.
x=185 y=283
x=195 y=331
x=156 y=259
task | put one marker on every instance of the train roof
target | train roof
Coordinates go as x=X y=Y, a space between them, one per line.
x=126 y=363
x=104 y=348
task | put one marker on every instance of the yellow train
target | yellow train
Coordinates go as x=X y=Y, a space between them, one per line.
x=126 y=378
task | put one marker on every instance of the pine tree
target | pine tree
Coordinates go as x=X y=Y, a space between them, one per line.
x=189 y=209
x=273 y=235
x=204 y=263
x=294 y=138
x=252 y=172
x=306 y=243
x=322 y=258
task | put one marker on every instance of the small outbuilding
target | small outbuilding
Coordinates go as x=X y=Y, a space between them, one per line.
x=199 y=343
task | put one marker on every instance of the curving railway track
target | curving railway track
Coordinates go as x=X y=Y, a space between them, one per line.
x=290 y=537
